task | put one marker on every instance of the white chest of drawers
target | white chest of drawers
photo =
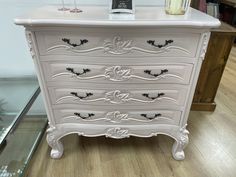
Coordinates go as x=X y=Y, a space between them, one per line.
x=101 y=75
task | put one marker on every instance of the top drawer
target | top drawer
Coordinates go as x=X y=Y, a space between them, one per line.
x=135 y=43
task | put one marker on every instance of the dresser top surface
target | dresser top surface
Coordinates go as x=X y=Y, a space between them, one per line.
x=100 y=16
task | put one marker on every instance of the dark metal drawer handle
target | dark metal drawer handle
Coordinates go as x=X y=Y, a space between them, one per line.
x=81 y=97
x=78 y=74
x=153 y=98
x=82 y=42
x=83 y=117
x=151 y=118
x=152 y=42
x=156 y=75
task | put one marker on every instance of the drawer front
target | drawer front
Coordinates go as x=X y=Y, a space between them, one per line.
x=103 y=42
x=113 y=96
x=162 y=73
x=104 y=117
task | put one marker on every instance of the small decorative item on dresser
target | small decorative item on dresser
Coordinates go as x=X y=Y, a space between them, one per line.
x=177 y=7
x=122 y=6
x=75 y=10
x=63 y=8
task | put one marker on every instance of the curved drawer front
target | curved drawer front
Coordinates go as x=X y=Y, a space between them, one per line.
x=168 y=96
x=117 y=43
x=162 y=73
x=117 y=117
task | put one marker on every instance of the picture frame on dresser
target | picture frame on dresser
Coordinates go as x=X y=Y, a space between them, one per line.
x=122 y=6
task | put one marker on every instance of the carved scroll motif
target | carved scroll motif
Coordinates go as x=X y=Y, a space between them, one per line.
x=118 y=46
x=29 y=37
x=206 y=37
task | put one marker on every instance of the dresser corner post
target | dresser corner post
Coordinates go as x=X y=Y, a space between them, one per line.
x=53 y=139
x=180 y=143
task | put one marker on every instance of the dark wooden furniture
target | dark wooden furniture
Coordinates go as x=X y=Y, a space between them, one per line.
x=218 y=51
x=228 y=11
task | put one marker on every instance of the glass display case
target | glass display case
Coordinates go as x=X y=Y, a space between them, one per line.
x=22 y=123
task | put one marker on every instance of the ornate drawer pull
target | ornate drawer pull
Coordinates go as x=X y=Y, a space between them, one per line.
x=153 y=98
x=83 y=117
x=152 y=42
x=78 y=74
x=82 y=42
x=151 y=118
x=156 y=75
x=81 y=97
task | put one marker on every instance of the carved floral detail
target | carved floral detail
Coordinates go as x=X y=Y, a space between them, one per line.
x=117 y=133
x=118 y=46
x=116 y=117
x=117 y=73
x=206 y=37
x=180 y=144
x=29 y=37
x=117 y=97
x=51 y=128
x=184 y=136
x=51 y=138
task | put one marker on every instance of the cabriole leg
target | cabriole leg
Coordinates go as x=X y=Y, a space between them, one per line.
x=180 y=143
x=54 y=143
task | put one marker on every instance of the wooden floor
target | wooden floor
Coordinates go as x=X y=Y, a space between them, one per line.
x=210 y=153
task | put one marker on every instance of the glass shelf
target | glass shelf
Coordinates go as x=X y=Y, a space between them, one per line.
x=27 y=124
